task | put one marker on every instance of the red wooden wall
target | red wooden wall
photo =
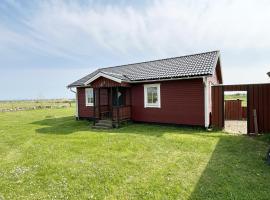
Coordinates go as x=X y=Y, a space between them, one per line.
x=182 y=102
x=244 y=113
x=217 y=107
x=259 y=99
x=83 y=110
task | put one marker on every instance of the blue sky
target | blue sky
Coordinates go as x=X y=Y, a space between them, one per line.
x=45 y=45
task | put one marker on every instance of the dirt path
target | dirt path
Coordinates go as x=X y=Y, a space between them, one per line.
x=235 y=126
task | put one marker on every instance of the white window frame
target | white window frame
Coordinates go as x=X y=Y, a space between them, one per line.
x=152 y=105
x=86 y=96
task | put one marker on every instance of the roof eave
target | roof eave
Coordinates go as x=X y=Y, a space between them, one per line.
x=170 y=79
x=154 y=80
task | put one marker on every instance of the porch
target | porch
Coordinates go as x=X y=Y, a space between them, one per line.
x=112 y=105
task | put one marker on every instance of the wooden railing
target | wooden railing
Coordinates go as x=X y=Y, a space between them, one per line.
x=102 y=112
x=121 y=113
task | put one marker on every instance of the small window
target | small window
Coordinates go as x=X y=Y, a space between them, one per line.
x=89 y=97
x=152 y=96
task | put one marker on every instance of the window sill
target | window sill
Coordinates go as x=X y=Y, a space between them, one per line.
x=152 y=106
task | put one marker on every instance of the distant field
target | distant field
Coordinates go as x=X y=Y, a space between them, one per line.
x=28 y=104
x=242 y=97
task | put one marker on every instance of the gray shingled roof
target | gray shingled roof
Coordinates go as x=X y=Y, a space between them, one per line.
x=202 y=64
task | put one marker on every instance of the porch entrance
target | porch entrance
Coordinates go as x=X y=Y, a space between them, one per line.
x=112 y=104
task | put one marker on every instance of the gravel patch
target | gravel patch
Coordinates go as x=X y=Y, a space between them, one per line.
x=236 y=126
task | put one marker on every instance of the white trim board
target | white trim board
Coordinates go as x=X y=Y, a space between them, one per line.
x=100 y=74
x=86 y=97
x=77 y=104
x=206 y=103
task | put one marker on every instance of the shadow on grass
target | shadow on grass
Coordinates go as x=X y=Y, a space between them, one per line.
x=61 y=125
x=157 y=130
x=68 y=125
x=236 y=170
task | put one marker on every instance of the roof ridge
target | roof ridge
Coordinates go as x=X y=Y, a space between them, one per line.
x=188 y=55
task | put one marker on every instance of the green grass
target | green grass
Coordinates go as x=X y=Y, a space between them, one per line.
x=46 y=154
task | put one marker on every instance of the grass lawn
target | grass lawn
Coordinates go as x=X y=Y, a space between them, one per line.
x=46 y=154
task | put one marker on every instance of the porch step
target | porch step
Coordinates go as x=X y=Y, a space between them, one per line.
x=105 y=121
x=103 y=124
x=100 y=127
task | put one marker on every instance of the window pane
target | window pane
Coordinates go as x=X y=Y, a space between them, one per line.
x=155 y=90
x=89 y=93
x=152 y=89
x=154 y=98
x=152 y=95
x=149 y=95
x=91 y=96
x=149 y=98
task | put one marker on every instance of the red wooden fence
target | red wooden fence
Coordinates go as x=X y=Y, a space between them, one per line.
x=244 y=113
x=258 y=101
x=233 y=109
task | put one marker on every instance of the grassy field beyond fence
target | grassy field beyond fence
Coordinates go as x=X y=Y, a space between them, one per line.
x=35 y=104
x=236 y=96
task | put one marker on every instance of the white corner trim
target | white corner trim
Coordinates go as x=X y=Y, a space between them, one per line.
x=156 y=105
x=206 y=102
x=86 y=97
x=77 y=104
x=100 y=74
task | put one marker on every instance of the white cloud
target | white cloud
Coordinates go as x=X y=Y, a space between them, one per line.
x=162 y=28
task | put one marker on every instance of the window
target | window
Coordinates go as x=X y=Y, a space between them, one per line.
x=152 y=96
x=89 y=97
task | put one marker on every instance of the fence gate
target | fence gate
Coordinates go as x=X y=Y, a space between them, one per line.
x=258 y=103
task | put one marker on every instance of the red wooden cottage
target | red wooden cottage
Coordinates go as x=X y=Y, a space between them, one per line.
x=173 y=91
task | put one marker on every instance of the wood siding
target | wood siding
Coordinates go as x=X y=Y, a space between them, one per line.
x=217 y=107
x=182 y=102
x=244 y=113
x=259 y=99
x=83 y=110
